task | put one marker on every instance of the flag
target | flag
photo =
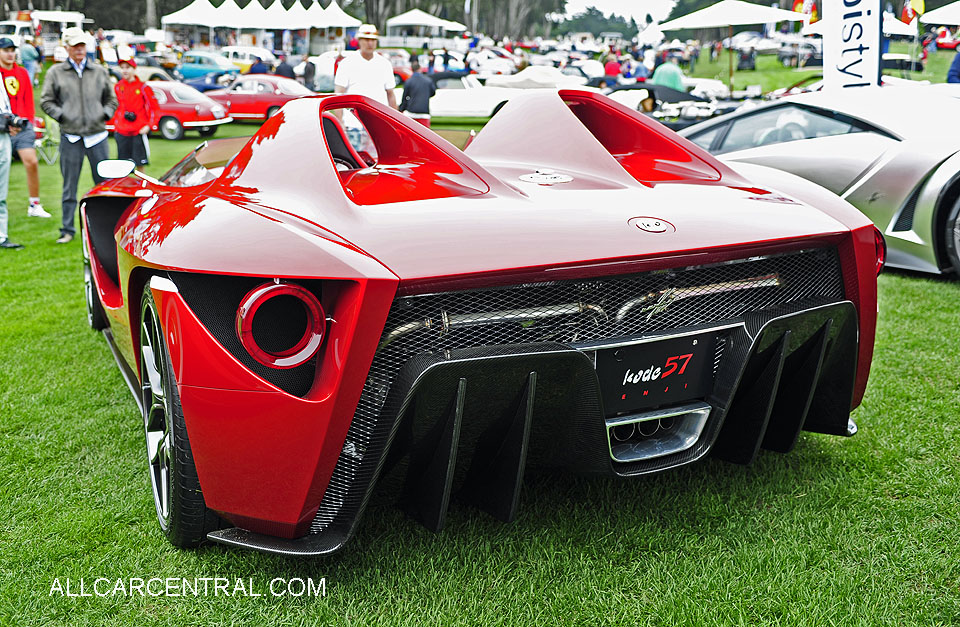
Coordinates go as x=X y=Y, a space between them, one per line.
x=917 y=6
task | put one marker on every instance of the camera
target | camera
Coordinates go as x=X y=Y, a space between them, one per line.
x=8 y=120
x=129 y=116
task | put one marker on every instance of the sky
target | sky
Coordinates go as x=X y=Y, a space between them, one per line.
x=637 y=9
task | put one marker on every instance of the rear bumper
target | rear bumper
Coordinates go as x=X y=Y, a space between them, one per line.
x=468 y=422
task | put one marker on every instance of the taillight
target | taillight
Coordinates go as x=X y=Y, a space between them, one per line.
x=281 y=325
x=881 y=249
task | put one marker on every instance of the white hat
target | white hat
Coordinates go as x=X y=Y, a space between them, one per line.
x=74 y=36
x=367 y=31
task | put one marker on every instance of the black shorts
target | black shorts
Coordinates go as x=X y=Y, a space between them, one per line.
x=24 y=139
x=133 y=147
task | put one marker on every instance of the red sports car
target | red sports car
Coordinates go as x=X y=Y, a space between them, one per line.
x=298 y=320
x=258 y=96
x=183 y=108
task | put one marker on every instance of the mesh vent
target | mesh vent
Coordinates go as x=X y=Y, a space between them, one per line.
x=565 y=312
x=905 y=219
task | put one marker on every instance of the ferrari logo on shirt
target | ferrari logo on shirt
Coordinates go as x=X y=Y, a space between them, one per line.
x=12 y=85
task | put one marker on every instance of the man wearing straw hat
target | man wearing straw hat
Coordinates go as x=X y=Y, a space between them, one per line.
x=368 y=73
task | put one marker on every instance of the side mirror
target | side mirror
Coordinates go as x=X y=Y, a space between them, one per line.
x=115 y=168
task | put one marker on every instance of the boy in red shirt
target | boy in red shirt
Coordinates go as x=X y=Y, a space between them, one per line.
x=136 y=110
x=20 y=91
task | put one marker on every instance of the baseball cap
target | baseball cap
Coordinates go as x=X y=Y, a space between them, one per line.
x=131 y=62
x=367 y=31
x=74 y=36
x=6 y=42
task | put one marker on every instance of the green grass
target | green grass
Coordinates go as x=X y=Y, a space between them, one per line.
x=770 y=74
x=859 y=531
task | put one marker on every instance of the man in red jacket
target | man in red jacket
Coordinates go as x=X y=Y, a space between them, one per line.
x=20 y=90
x=136 y=110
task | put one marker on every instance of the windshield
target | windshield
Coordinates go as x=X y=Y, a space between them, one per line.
x=205 y=163
x=187 y=95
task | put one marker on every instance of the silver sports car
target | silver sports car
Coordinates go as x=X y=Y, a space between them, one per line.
x=894 y=153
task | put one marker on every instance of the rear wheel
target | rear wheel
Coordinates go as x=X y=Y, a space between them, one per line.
x=181 y=510
x=208 y=131
x=272 y=111
x=170 y=128
x=952 y=236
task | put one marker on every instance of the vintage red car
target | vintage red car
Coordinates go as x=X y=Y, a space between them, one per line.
x=299 y=320
x=258 y=96
x=183 y=108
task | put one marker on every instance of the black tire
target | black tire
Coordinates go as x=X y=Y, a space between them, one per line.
x=170 y=127
x=951 y=237
x=272 y=111
x=96 y=317
x=181 y=511
x=208 y=131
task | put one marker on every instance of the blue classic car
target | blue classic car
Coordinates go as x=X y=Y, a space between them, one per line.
x=197 y=63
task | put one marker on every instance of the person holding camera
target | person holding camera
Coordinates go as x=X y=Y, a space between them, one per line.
x=136 y=109
x=8 y=126
x=19 y=88
x=77 y=93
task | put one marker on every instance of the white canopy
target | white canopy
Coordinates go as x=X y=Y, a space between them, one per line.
x=275 y=17
x=733 y=13
x=254 y=13
x=454 y=27
x=298 y=15
x=948 y=15
x=198 y=13
x=416 y=17
x=335 y=17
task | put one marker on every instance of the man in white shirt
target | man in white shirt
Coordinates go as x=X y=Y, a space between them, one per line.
x=368 y=73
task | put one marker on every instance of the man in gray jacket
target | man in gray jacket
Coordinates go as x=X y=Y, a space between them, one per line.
x=78 y=95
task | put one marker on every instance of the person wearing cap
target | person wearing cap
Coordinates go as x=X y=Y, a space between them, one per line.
x=136 y=112
x=78 y=94
x=368 y=73
x=19 y=88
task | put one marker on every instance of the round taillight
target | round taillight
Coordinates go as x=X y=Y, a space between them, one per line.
x=881 y=249
x=281 y=325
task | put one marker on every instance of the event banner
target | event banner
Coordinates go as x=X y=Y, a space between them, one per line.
x=851 y=43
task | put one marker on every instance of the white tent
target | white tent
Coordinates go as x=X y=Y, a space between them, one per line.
x=275 y=17
x=947 y=15
x=229 y=14
x=416 y=17
x=197 y=13
x=335 y=17
x=732 y=13
x=316 y=15
x=254 y=15
x=298 y=15
x=454 y=27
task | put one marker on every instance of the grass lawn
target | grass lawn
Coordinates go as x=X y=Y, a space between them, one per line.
x=841 y=531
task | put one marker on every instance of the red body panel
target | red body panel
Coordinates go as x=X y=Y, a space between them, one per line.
x=190 y=115
x=281 y=210
x=253 y=105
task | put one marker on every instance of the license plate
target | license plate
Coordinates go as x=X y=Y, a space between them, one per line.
x=655 y=373
x=219 y=114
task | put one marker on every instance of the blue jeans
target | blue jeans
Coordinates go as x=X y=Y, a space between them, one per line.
x=4 y=180
x=71 y=162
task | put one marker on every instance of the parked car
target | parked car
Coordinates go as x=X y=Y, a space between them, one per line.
x=902 y=171
x=807 y=53
x=258 y=96
x=183 y=108
x=196 y=63
x=213 y=80
x=589 y=294
x=243 y=56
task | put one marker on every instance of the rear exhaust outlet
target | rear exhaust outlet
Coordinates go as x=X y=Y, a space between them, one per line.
x=657 y=433
x=622 y=433
x=648 y=427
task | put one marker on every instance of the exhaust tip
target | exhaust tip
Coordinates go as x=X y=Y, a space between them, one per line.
x=648 y=435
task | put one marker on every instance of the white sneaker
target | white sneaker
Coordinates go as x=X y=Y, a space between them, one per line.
x=37 y=211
